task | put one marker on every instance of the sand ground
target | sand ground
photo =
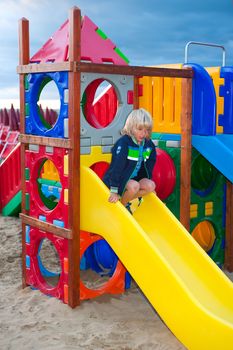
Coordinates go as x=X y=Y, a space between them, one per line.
x=31 y=320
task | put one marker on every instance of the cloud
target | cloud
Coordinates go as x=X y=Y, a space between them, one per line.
x=148 y=33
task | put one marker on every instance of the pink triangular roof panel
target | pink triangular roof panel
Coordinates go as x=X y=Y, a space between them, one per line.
x=56 y=48
x=94 y=48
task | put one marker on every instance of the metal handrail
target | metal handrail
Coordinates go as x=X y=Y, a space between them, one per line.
x=204 y=44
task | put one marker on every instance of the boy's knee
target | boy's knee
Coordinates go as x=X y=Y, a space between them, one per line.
x=133 y=187
x=150 y=186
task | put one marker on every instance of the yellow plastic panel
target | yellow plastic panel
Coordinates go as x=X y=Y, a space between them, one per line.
x=214 y=72
x=208 y=211
x=172 y=105
x=170 y=65
x=193 y=211
x=162 y=98
x=66 y=195
x=193 y=214
x=158 y=96
x=209 y=208
x=95 y=156
x=50 y=171
x=145 y=101
x=209 y=205
x=167 y=102
x=191 y=294
x=66 y=164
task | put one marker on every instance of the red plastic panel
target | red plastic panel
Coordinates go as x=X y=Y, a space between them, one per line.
x=105 y=107
x=33 y=275
x=56 y=48
x=96 y=49
x=164 y=174
x=115 y=284
x=12 y=137
x=10 y=176
x=6 y=150
x=100 y=114
x=100 y=168
x=93 y=47
x=34 y=161
x=8 y=140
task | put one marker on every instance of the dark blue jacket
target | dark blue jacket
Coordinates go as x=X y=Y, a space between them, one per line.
x=125 y=154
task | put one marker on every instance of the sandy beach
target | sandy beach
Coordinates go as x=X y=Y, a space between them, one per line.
x=31 y=320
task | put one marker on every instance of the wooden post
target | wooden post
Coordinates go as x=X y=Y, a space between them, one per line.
x=74 y=158
x=135 y=93
x=229 y=228
x=24 y=57
x=186 y=149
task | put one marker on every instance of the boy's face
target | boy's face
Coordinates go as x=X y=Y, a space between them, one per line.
x=140 y=133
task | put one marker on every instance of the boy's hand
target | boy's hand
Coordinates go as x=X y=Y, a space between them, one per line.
x=113 y=198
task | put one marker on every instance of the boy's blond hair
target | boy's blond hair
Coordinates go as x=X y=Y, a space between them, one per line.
x=136 y=119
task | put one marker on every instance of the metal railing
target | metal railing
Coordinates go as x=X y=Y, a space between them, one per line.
x=204 y=44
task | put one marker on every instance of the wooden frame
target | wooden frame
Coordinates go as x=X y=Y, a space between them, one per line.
x=45 y=141
x=136 y=71
x=74 y=158
x=186 y=153
x=24 y=55
x=45 y=226
x=74 y=67
x=44 y=67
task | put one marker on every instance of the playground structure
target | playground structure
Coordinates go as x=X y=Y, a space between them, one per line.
x=10 y=174
x=9 y=131
x=192 y=295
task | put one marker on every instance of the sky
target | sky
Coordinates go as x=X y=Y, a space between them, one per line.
x=149 y=32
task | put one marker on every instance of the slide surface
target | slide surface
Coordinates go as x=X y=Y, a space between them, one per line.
x=190 y=293
x=218 y=150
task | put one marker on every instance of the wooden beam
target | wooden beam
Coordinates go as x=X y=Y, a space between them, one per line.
x=186 y=152
x=132 y=70
x=45 y=67
x=45 y=141
x=104 y=69
x=24 y=55
x=228 y=264
x=46 y=226
x=74 y=159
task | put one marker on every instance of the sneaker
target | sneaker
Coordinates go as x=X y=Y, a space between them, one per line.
x=128 y=208
x=140 y=200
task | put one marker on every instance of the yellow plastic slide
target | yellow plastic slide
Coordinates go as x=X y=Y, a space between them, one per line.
x=190 y=293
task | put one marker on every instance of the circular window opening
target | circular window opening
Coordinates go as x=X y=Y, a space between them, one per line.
x=99 y=103
x=164 y=174
x=48 y=103
x=100 y=263
x=204 y=174
x=100 y=168
x=48 y=184
x=49 y=262
x=204 y=234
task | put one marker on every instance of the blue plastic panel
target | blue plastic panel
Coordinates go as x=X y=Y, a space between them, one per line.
x=33 y=122
x=226 y=91
x=204 y=102
x=218 y=150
